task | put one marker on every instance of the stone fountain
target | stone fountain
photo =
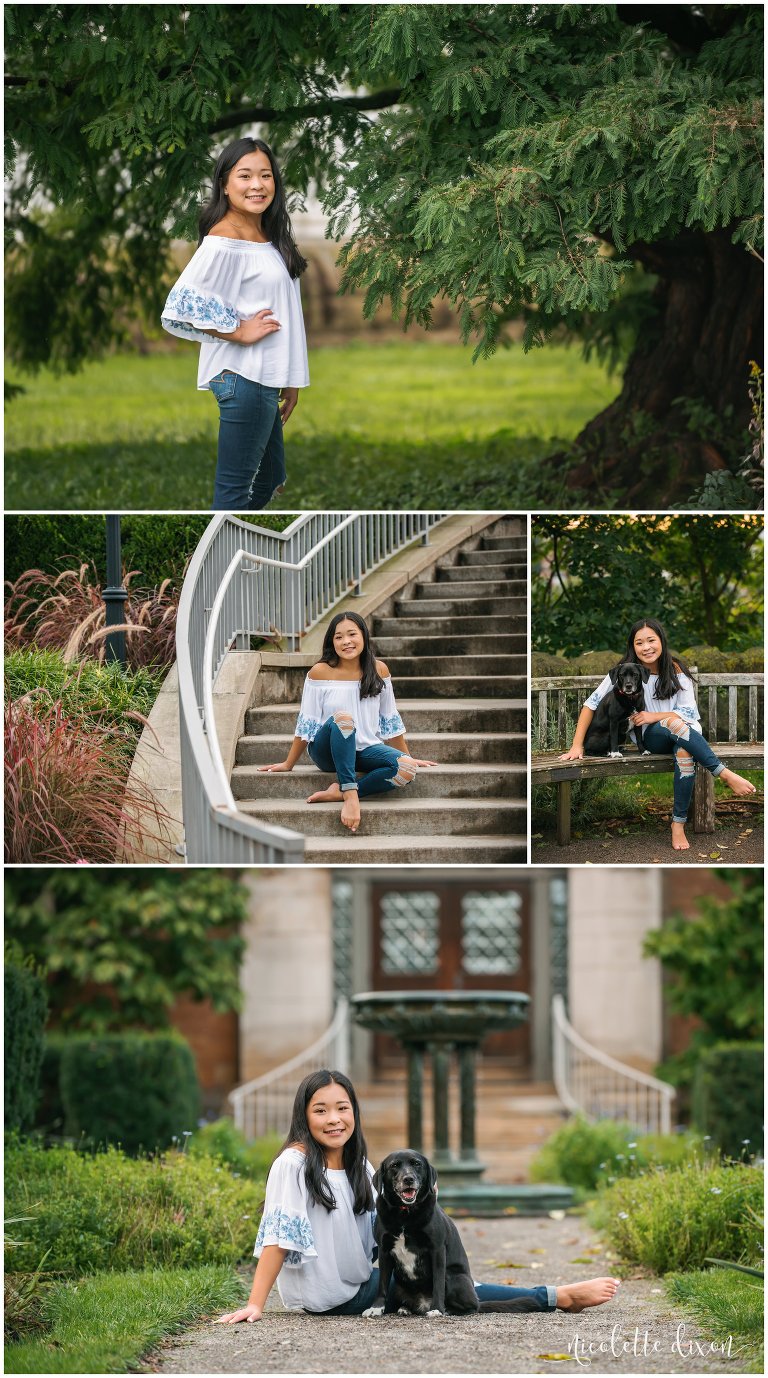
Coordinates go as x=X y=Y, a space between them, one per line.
x=438 y=1024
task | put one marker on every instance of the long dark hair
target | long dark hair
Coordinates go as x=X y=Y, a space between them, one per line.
x=371 y=682
x=354 y=1153
x=275 y=221
x=669 y=662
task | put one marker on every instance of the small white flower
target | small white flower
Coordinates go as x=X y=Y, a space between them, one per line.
x=245 y=1217
x=746 y=1141
x=623 y=1215
x=632 y=1145
x=187 y=1133
x=631 y=1157
x=619 y=1157
x=716 y=1191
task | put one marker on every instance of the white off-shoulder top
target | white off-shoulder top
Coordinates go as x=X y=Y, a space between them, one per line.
x=683 y=702
x=225 y=282
x=329 y=1252
x=376 y=718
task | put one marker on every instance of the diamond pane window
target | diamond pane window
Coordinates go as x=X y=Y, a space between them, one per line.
x=342 y=938
x=409 y=931
x=490 y=932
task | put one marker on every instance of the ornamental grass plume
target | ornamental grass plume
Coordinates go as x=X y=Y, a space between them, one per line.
x=67 y=795
x=66 y=612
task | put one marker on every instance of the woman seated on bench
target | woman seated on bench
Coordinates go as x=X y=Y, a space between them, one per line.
x=670 y=721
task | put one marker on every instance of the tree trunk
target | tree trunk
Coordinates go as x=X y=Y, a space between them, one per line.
x=643 y=446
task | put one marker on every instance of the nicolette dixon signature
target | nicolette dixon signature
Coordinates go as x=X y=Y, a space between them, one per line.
x=640 y=1345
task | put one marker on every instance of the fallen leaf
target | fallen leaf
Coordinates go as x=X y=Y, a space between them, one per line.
x=580 y=1260
x=556 y=1215
x=714 y=856
x=537 y=1251
x=552 y=1358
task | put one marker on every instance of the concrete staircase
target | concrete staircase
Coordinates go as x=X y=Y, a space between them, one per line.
x=455 y=644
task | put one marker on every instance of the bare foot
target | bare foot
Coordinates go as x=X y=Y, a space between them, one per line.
x=331 y=795
x=680 y=842
x=582 y=1294
x=350 y=811
x=735 y=782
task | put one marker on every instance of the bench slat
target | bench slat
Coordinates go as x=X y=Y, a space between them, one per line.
x=712 y=700
x=753 y=712
x=732 y=714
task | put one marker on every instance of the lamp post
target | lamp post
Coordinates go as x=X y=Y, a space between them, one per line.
x=115 y=593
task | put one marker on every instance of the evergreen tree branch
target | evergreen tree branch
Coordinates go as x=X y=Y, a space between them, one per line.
x=262 y=114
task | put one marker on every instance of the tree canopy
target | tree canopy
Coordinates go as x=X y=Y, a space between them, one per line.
x=120 y=947
x=520 y=160
x=701 y=575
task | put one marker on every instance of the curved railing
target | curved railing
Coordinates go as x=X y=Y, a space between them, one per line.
x=263 y=1106
x=243 y=581
x=591 y=1083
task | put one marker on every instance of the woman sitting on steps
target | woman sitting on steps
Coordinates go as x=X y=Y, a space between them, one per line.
x=349 y=723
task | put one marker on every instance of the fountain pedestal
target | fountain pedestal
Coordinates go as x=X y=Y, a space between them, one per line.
x=436 y=1025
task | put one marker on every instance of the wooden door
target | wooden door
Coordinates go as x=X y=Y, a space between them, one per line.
x=447 y=935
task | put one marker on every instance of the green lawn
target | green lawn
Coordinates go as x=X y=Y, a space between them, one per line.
x=729 y=1308
x=382 y=426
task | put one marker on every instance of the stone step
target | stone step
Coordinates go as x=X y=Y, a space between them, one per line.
x=449 y=626
x=443 y=666
x=448 y=747
x=492 y=557
x=498 y=571
x=442 y=715
x=439 y=605
x=397 y=813
x=498 y=542
x=406 y=850
x=505 y=643
x=472 y=588
x=474 y=781
x=461 y=686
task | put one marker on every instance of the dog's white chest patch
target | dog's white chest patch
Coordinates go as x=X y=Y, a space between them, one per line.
x=405 y=1256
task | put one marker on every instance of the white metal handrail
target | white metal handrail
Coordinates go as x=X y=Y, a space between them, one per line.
x=591 y=1083
x=245 y=580
x=263 y=1105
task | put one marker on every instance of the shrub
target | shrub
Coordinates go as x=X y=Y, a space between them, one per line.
x=138 y=1090
x=223 y=1140
x=595 y=662
x=26 y=1006
x=107 y=1211
x=727 y=1098
x=66 y=612
x=673 y=1219
x=104 y=693
x=582 y=1154
x=544 y=664
x=50 y=1109
x=66 y=795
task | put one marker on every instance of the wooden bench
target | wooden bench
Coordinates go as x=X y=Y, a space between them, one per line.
x=556 y=700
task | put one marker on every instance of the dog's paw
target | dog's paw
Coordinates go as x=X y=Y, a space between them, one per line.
x=403 y=1311
x=646 y=753
x=374 y=1311
x=615 y=755
x=433 y=1313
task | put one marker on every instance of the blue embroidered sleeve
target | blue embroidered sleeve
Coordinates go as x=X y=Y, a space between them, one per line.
x=287 y=1230
x=592 y=702
x=189 y=312
x=307 y=728
x=688 y=714
x=392 y=726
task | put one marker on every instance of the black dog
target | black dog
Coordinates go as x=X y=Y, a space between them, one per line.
x=609 y=726
x=420 y=1247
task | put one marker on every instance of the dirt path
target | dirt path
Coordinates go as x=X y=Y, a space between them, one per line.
x=736 y=844
x=639 y=1332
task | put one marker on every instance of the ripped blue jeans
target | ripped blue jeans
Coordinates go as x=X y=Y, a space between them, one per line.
x=531 y=1298
x=335 y=749
x=659 y=739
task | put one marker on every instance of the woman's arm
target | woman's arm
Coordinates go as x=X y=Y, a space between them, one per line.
x=298 y=747
x=576 y=749
x=267 y=1269
x=249 y=331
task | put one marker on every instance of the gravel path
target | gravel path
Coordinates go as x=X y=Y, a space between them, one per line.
x=533 y=1251
x=738 y=845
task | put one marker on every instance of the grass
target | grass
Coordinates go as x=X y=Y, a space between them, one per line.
x=726 y=1306
x=105 y=1323
x=387 y=426
x=637 y=805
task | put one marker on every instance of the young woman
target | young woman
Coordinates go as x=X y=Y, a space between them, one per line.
x=316 y=1233
x=348 y=722
x=239 y=296
x=670 y=721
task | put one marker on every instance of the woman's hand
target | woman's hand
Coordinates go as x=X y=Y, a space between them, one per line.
x=246 y=1313
x=643 y=719
x=279 y=765
x=288 y=399
x=575 y=753
x=417 y=762
x=255 y=328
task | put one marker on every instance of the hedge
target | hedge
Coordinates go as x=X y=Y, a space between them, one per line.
x=138 y=1090
x=26 y=1007
x=727 y=1101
